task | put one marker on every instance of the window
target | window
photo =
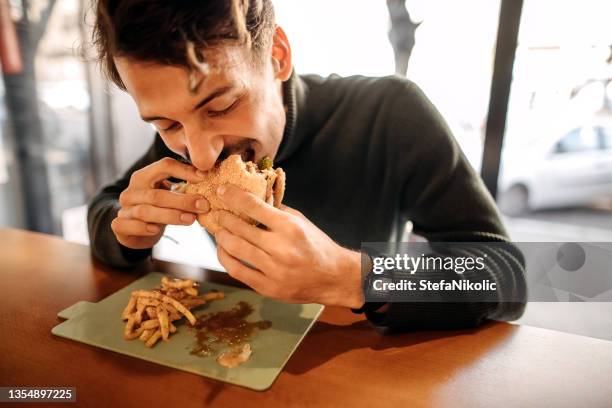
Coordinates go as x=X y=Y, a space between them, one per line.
x=44 y=154
x=605 y=135
x=578 y=140
x=452 y=59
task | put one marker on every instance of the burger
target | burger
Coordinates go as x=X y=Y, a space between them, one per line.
x=260 y=179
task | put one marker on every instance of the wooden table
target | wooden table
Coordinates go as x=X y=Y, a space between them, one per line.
x=342 y=362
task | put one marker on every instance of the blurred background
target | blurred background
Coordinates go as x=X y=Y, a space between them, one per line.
x=64 y=132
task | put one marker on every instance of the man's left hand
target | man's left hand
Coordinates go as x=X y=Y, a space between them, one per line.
x=291 y=260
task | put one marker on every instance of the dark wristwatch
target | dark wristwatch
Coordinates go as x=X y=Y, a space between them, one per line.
x=374 y=300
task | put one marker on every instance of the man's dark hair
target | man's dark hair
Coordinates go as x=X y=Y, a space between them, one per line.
x=162 y=31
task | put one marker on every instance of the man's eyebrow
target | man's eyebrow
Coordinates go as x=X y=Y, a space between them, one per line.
x=214 y=94
x=152 y=118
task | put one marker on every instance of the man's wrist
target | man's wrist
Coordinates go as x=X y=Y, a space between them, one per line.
x=351 y=293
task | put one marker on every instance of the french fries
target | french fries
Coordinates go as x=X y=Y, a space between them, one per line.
x=150 y=314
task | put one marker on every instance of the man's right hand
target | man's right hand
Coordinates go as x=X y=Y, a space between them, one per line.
x=147 y=205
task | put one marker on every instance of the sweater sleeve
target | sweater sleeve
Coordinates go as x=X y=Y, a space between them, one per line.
x=103 y=209
x=447 y=202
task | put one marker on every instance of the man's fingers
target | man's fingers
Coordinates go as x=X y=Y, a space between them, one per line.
x=240 y=248
x=240 y=271
x=290 y=210
x=237 y=226
x=246 y=203
x=149 y=176
x=156 y=215
x=166 y=199
x=130 y=227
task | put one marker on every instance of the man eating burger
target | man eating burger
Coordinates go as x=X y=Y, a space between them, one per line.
x=361 y=157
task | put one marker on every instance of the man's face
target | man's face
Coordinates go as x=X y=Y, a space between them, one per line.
x=237 y=108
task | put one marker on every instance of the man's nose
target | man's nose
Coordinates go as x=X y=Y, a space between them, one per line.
x=203 y=148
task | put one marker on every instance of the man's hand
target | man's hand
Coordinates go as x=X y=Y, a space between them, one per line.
x=292 y=260
x=147 y=205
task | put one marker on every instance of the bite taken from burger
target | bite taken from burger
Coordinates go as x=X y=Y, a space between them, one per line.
x=260 y=179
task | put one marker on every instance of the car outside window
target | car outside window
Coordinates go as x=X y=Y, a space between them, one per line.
x=605 y=137
x=578 y=140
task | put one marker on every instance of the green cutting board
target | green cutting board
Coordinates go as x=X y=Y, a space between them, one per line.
x=99 y=324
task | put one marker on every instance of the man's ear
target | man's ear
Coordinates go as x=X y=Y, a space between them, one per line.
x=281 y=55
